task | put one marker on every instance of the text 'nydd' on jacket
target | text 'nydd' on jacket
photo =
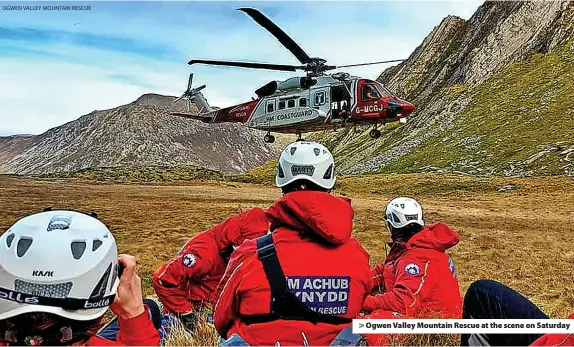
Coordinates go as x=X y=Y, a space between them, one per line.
x=190 y=279
x=326 y=268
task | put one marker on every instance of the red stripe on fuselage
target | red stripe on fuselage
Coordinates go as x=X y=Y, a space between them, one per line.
x=238 y=113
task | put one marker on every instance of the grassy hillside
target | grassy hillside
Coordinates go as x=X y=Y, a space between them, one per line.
x=155 y=174
x=522 y=116
x=519 y=122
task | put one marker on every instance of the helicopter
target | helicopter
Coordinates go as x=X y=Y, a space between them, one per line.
x=314 y=102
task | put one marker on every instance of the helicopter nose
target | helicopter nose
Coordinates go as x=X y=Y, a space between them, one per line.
x=407 y=108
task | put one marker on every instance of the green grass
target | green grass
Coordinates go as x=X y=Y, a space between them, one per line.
x=513 y=115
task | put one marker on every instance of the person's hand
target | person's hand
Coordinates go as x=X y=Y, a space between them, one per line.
x=129 y=298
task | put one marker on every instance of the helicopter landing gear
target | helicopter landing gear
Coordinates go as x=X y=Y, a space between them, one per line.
x=268 y=138
x=375 y=133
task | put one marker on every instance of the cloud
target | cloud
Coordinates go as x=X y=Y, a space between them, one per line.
x=53 y=71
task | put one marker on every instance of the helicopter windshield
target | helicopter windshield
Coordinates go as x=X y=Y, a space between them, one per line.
x=384 y=91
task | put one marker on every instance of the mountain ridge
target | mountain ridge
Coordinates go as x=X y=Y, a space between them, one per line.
x=140 y=133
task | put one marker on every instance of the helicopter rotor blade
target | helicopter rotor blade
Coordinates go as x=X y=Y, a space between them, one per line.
x=279 y=34
x=190 y=81
x=363 y=64
x=277 y=67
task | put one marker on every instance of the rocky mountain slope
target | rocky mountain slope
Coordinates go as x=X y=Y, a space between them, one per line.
x=138 y=134
x=493 y=96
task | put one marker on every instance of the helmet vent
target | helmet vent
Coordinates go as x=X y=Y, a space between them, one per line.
x=100 y=288
x=96 y=244
x=395 y=218
x=292 y=150
x=317 y=151
x=114 y=275
x=59 y=290
x=78 y=248
x=23 y=245
x=9 y=240
x=329 y=173
x=280 y=172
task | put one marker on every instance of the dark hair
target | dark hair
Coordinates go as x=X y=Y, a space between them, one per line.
x=302 y=184
x=47 y=329
x=405 y=233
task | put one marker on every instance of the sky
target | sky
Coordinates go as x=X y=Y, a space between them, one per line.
x=58 y=65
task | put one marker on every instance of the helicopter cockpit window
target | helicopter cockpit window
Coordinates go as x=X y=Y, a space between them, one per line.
x=369 y=93
x=291 y=103
x=281 y=105
x=302 y=102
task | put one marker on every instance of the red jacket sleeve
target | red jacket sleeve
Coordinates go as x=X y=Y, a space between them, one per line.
x=404 y=297
x=170 y=280
x=227 y=307
x=136 y=331
x=378 y=279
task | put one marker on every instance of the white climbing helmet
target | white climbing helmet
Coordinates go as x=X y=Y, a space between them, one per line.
x=304 y=160
x=58 y=261
x=403 y=211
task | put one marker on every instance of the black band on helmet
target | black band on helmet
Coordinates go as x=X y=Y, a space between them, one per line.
x=70 y=304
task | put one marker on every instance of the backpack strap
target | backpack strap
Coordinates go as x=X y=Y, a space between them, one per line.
x=284 y=304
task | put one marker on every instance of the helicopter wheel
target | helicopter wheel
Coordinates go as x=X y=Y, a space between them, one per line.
x=375 y=133
x=269 y=138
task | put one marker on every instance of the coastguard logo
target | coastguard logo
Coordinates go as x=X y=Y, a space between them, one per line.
x=412 y=269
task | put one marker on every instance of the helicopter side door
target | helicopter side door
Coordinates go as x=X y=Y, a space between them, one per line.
x=340 y=101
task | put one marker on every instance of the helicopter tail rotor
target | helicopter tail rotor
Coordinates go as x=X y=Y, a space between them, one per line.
x=192 y=95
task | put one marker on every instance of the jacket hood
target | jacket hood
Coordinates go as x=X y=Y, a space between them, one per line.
x=328 y=216
x=250 y=224
x=437 y=236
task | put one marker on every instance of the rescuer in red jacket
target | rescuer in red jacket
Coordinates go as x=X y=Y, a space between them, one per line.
x=419 y=278
x=186 y=283
x=303 y=283
x=59 y=274
x=486 y=299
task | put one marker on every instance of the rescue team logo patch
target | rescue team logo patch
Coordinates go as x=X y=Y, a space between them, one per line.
x=322 y=294
x=188 y=260
x=412 y=269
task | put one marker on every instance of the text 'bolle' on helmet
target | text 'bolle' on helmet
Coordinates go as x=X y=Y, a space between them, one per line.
x=303 y=160
x=403 y=211
x=61 y=262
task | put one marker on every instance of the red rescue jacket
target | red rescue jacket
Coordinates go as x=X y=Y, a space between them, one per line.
x=556 y=339
x=137 y=331
x=419 y=278
x=326 y=268
x=189 y=280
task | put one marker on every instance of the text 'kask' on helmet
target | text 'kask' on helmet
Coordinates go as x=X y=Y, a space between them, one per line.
x=61 y=262
x=304 y=160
